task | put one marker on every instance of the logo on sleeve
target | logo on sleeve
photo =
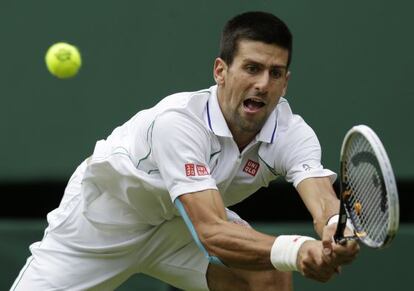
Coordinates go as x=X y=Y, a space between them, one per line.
x=193 y=170
x=189 y=170
x=251 y=168
x=201 y=170
x=306 y=167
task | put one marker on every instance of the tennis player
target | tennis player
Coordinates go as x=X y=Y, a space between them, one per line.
x=152 y=197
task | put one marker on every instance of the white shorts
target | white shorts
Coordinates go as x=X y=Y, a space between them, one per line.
x=65 y=260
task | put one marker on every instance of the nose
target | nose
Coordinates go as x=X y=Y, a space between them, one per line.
x=262 y=82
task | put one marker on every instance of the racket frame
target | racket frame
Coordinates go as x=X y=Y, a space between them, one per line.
x=390 y=187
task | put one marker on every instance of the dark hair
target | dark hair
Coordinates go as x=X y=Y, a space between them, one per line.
x=256 y=26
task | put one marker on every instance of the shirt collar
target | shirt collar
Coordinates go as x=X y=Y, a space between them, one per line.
x=214 y=117
x=274 y=125
x=268 y=131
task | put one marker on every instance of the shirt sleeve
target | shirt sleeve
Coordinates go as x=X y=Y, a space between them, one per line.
x=302 y=154
x=180 y=147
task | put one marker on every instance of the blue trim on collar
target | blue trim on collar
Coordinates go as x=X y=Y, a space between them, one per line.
x=208 y=117
x=274 y=131
x=215 y=115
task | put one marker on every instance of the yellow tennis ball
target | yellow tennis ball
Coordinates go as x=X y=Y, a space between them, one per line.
x=63 y=60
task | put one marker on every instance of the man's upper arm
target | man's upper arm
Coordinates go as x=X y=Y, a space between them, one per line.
x=180 y=148
x=300 y=154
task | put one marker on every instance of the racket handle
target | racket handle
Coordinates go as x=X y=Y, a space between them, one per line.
x=339 y=234
x=344 y=240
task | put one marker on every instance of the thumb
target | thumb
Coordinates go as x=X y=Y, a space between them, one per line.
x=327 y=240
x=327 y=247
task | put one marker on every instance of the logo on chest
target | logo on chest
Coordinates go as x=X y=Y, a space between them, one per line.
x=251 y=168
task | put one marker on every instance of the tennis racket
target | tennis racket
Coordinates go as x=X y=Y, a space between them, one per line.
x=368 y=192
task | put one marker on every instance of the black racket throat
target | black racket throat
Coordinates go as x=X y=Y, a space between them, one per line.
x=343 y=217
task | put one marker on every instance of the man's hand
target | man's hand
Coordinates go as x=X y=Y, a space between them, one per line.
x=343 y=253
x=320 y=260
x=314 y=264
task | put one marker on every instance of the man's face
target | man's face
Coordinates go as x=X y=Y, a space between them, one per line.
x=250 y=88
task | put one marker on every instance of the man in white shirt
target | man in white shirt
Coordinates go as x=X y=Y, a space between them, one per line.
x=152 y=197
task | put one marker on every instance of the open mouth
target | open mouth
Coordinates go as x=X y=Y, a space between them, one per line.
x=253 y=105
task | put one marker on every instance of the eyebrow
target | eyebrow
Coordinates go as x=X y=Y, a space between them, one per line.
x=260 y=64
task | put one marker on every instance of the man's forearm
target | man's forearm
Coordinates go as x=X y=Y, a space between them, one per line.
x=329 y=209
x=320 y=199
x=237 y=246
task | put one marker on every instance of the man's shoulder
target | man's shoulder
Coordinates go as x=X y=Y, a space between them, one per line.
x=289 y=122
x=292 y=134
x=184 y=105
x=184 y=110
x=184 y=101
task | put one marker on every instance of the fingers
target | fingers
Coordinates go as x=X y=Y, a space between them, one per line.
x=321 y=260
x=328 y=232
x=345 y=254
x=327 y=247
x=314 y=263
x=340 y=254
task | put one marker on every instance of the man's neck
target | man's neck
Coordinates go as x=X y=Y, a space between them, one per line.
x=242 y=139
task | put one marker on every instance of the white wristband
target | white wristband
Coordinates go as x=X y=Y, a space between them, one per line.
x=335 y=218
x=284 y=252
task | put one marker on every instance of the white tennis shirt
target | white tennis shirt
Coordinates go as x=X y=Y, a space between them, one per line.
x=183 y=145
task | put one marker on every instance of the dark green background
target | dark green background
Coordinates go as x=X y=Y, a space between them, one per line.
x=388 y=269
x=353 y=63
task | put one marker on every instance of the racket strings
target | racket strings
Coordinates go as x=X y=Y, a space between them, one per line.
x=366 y=215
x=375 y=199
x=367 y=204
x=360 y=200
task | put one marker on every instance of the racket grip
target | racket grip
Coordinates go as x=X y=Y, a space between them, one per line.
x=339 y=234
x=344 y=240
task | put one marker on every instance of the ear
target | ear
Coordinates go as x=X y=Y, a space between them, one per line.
x=286 y=83
x=220 y=69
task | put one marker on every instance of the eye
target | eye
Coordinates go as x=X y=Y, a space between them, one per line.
x=276 y=73
x=252 y=69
